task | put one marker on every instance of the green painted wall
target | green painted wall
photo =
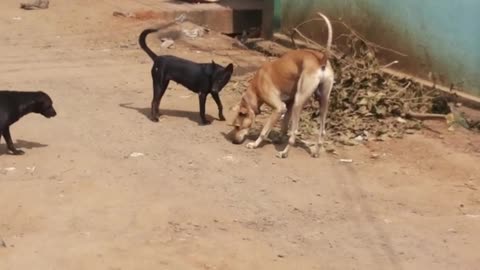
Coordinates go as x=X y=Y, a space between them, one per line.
x=439 y=36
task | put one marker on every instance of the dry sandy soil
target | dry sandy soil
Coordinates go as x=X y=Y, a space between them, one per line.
x=77 y=200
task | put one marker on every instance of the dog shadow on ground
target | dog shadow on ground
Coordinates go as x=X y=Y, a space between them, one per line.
x=192 y=116
x=21 y=144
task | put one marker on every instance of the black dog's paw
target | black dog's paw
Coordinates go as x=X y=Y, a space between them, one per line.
x=221 y=118
x=154 y=119
x=18 y=152
x=205 y=122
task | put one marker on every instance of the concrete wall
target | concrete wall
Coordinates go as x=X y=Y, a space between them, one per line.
x=439 y=36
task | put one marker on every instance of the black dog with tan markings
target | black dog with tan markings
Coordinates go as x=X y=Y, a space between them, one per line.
x=201 y=78
x=14 y=105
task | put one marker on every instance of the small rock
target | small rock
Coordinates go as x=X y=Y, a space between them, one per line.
x=359 y=138
x=410 y=131
x=375 y=156
x=36 y=4
x=346 y=160
x=136 y=154
x=401 y=120
x=17 y=18
x=2 y=244
x=452 y=230
x=30 y=169
x=451 y=128
x=119 y=14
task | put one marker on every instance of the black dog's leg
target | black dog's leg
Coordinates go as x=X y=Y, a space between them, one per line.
x=202 y=97
x=159 y=88
x=8 y=140
x=216 y=97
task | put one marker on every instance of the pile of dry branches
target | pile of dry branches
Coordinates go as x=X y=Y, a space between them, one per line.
x=367 y=103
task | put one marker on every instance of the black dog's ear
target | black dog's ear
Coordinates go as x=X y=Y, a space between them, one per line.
x=213 y=62
x=221 y=78
x=229 y=68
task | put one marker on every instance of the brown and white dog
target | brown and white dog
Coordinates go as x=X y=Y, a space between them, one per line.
x=285 y=85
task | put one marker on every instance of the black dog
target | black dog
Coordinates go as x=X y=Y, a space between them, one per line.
x=204 y=79
x=14 y=105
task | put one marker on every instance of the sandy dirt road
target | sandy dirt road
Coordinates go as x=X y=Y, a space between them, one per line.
x=76 y=200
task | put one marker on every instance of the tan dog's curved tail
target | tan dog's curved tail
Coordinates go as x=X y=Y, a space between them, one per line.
x=330 y=33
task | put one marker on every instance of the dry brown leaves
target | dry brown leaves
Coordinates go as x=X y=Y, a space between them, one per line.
x=369 y=104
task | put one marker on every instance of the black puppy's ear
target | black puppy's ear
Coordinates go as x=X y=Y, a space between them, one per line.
x=213 y=62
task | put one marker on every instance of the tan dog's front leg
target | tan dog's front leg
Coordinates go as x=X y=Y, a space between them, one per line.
x=276 y=114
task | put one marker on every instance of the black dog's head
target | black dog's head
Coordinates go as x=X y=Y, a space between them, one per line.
x=220 y=76
x=44 y=105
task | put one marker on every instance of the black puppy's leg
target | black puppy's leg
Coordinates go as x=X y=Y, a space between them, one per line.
x=202 y=97
x=8 y=140
x=159 y=88
x=216 y=97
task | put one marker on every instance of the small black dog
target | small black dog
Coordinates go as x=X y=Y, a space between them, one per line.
x=204 y=79
x=14 y=105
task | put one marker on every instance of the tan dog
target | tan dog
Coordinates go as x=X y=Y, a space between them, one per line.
x=285 y=85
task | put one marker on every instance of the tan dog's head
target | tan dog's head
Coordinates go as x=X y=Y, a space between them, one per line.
x=244 y=118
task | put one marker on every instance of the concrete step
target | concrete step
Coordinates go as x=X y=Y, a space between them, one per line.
x=225 y=16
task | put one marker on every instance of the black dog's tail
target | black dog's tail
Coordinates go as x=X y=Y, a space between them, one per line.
x=143 y=44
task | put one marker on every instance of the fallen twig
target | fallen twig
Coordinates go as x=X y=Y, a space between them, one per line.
x=426 y=116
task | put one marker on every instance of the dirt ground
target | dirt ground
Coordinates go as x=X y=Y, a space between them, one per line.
x=77 y=200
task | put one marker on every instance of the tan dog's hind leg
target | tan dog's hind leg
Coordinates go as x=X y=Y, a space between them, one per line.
x=327 y=86
x=307 y=84
x=286 y=118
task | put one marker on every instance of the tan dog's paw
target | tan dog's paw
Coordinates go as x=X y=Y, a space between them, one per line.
x=251 y=145
x=282 y=154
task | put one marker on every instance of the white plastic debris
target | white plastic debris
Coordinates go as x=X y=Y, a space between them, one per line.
x=359 y=138
x=346 y=160
x=194 y=33
x=167 y=43
x=401 y=120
